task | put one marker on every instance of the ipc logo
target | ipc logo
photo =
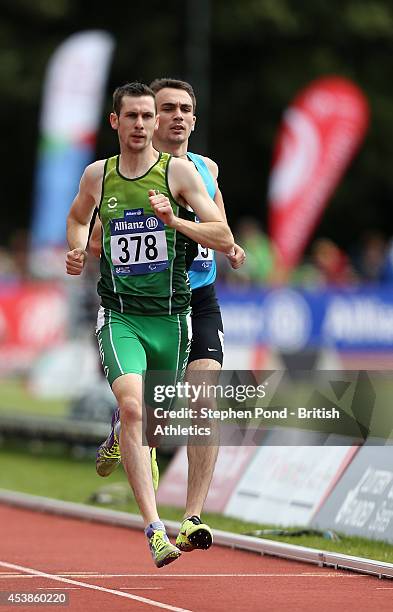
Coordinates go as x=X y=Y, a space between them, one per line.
x=151 y=223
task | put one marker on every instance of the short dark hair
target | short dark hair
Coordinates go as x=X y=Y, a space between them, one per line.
x=135 y=90
x=159 y=84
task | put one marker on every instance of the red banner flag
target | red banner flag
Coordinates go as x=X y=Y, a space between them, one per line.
x=319 y=134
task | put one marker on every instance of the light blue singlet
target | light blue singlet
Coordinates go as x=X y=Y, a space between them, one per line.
x=203 y=269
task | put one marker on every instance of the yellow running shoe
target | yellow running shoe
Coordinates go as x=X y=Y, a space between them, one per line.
x=163 y=552
x=108 y=453
x=194 y=534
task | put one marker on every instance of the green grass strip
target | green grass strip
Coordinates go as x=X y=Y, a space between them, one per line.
x=16 y=398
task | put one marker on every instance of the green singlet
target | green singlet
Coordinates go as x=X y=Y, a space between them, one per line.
x=143 y=262
x=144 y=322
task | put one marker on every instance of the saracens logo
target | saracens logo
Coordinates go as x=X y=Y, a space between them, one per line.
x=151 y=223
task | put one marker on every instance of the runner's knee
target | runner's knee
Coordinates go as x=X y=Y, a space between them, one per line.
x=130 y=409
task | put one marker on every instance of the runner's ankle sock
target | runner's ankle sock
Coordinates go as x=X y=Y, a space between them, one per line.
x=155 y=526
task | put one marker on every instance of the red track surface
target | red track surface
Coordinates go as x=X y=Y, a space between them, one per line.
x=117 y=559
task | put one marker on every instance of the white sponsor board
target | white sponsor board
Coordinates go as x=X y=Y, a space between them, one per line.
x=362 y=502
x=231 y=463
x=285 y=485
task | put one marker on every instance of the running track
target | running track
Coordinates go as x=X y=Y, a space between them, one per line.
x=110 y=569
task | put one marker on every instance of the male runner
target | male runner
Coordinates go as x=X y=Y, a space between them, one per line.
x=176 y=104
x=142 y=324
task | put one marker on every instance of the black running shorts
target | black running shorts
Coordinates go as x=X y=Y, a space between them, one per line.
x=207 y=329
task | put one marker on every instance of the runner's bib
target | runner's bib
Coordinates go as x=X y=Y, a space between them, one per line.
x=204 y=260
x=138 y=244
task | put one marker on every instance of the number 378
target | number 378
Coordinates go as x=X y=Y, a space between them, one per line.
x=149 y=247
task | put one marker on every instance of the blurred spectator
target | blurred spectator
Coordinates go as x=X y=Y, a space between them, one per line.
x=306 y=275
x=7 y=266
x=14 y=259
x=386 y=274
x=332 y=264
x=259 y=266
x=19 y=251
x=370 y=259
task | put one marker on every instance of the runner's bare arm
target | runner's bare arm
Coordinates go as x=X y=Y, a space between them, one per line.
x=95 y=238
x=80 y=215
x=238 y=257
x=186 y=185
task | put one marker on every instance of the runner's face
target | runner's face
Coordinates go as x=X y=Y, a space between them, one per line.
x=177 y=118
x=136 y=123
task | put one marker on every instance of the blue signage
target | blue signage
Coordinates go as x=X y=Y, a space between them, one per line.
x=292 y=319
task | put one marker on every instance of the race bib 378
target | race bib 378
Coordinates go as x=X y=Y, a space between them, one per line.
x=138 y=243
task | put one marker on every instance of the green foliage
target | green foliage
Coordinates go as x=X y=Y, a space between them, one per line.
x=261 y=53
x=370 y=19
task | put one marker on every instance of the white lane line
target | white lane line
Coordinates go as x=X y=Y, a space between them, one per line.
x=94 y=587
x=66 y=574
x=322 y=574
x=18 y=575
x=58 y=588
x=78 y=588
